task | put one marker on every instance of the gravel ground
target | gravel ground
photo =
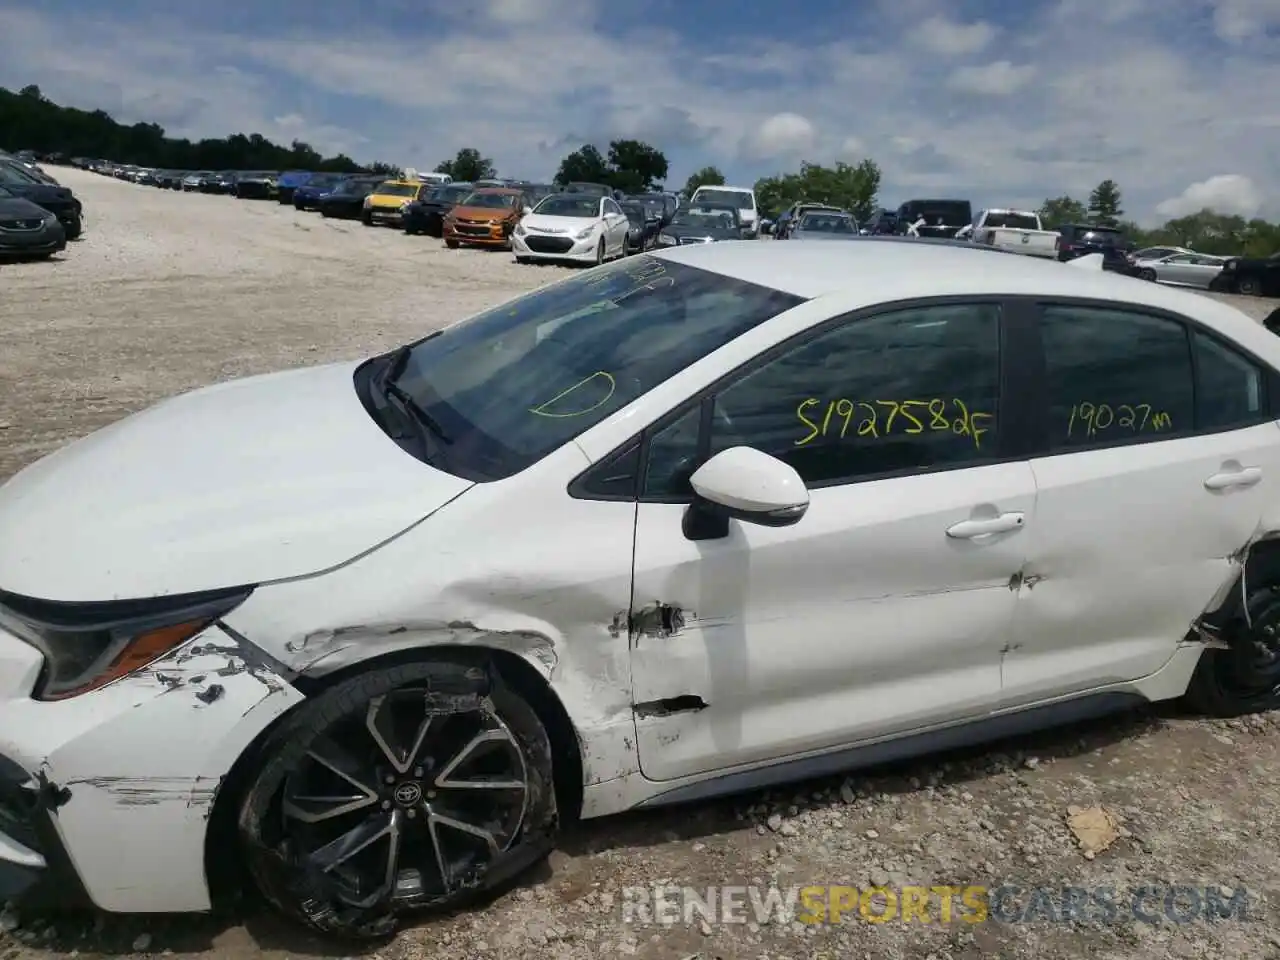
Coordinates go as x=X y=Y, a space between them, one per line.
x=168 y=292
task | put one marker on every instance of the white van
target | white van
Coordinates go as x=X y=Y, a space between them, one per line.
x=439 y=179
x=744 y=198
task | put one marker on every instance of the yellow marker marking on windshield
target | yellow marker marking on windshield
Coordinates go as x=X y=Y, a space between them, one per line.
x=541 y=409
x=880 y=417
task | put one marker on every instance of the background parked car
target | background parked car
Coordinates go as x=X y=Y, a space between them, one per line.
x=258 y=185
x=427 y=214
x=1180 y=269
x=318 y=185
x=705 y=223
x=59 y=201
x=1251 y=276
x=826 y=225
x=346 y=200
x=289 y=181
x=485 y=218
x=644 y=223
x=1082 y=239
x=26 y=229
x=387 y=202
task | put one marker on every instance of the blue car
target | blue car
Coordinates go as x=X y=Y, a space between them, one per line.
x=318 y=186
x=290 y=181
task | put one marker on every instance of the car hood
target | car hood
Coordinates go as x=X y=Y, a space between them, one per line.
x=387 y=200
x=19 y=209
x=542 y=223
x=243 y=482
x=486 y=213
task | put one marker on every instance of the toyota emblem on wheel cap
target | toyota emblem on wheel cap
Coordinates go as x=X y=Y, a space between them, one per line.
x=407 y=794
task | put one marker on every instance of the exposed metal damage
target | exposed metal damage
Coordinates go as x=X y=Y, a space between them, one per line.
x=685 y=703
x=657 y=619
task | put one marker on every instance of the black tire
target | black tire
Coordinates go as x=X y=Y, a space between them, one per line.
x=600 y=252
x=366 y=219
x=1245 y=678
x=525 y=260
x=451 y=244
x=1249 y=287
x=439 y=864
x=1146 y=273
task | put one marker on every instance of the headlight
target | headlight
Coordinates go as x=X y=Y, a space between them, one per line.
x=88 y=645
x=665 y=240
x=368 y=201
x=583 y=234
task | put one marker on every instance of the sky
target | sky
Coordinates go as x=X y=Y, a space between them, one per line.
x=1000 y=102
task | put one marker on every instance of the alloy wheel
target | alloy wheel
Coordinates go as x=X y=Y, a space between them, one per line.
x=402 y=803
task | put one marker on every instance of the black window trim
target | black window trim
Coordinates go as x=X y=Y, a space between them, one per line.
x=1020 y=376
x=1039 y=405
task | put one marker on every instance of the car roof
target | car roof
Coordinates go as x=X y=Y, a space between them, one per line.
x=873 y=270
x=503 y=191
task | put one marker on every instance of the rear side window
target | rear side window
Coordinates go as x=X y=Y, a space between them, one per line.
x=1228 y=389
x=1115 y=376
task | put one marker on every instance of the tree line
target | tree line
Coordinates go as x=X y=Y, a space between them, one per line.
x=30 y=121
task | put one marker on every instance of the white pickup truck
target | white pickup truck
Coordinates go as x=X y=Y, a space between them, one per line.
x=1018 y=231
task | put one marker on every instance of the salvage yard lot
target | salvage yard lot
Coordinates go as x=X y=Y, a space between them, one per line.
x=172 y=291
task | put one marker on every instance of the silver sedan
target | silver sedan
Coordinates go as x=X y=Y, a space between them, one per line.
x=1181 y=269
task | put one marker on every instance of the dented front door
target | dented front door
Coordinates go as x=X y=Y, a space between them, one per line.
x=865 y=619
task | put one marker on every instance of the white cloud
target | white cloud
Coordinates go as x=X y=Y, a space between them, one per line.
x=783 y=135
x=947 y=37
x=852 y=148
x=1237 y=21
x=999 y=78
x=1225 y=193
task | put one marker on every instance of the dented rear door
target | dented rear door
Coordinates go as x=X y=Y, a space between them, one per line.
x=1163 y=461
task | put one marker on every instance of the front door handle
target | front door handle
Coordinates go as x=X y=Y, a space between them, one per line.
x=968 y=529
x=1244 y=477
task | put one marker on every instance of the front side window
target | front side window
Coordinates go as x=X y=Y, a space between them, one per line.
x=1115 y=376
x=505 y=388
x=912 y=390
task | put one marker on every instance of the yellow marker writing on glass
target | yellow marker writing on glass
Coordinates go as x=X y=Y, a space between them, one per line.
x=599 y=375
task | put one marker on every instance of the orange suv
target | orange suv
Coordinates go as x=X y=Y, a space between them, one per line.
x=484 y=218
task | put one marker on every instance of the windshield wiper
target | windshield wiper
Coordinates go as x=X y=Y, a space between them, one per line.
x=410 y=407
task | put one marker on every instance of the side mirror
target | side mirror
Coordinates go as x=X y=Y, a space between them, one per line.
x=746 y=484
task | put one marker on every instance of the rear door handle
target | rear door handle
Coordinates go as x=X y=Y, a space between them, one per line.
x=968 y=529
x=1244 y=477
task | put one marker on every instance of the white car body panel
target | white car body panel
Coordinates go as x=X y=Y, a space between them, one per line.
x=194 y=501
x=259 y=461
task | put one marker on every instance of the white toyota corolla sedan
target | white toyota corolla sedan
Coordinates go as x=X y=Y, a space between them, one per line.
x=692 y=523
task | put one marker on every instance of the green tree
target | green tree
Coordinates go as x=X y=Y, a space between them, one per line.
x=706 y=177
x=631 y=166
x=635 y=166
x=1057 y=211
x=853 y=187
x=30 y=121
x=468 y=165
x=385 y=169
x=585 y=165
x=1104 y=203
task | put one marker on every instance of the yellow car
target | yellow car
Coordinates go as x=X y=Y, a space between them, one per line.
x=387 y=202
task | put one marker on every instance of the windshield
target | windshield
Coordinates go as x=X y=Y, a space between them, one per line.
x=705 y=219
x=826 y=223
x=634 y=212
x=361 y=187
x=14 y=175
x=324 y=180
x=516 y=382
x=1012 y=220
x=396 y=190
x=490 y=200
x=562 y=205
x=732 y=198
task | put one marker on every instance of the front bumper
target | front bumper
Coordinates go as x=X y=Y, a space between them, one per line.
x=106 y=797
x=48 y=239
x=544 y=246
x=388 y=215
x=476 y=234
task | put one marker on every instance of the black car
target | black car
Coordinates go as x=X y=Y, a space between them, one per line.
x=582 y=186
x=943 y=219
x=883 y=223
x=258 y=185
x=666 y=201
x=427 y=215
x=28 y=230
x=346 y=202
x=705 y=223
x=59 y=201
x=642 y=229
x=1252 y=276
x=1082 y=239
x=222 y=182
